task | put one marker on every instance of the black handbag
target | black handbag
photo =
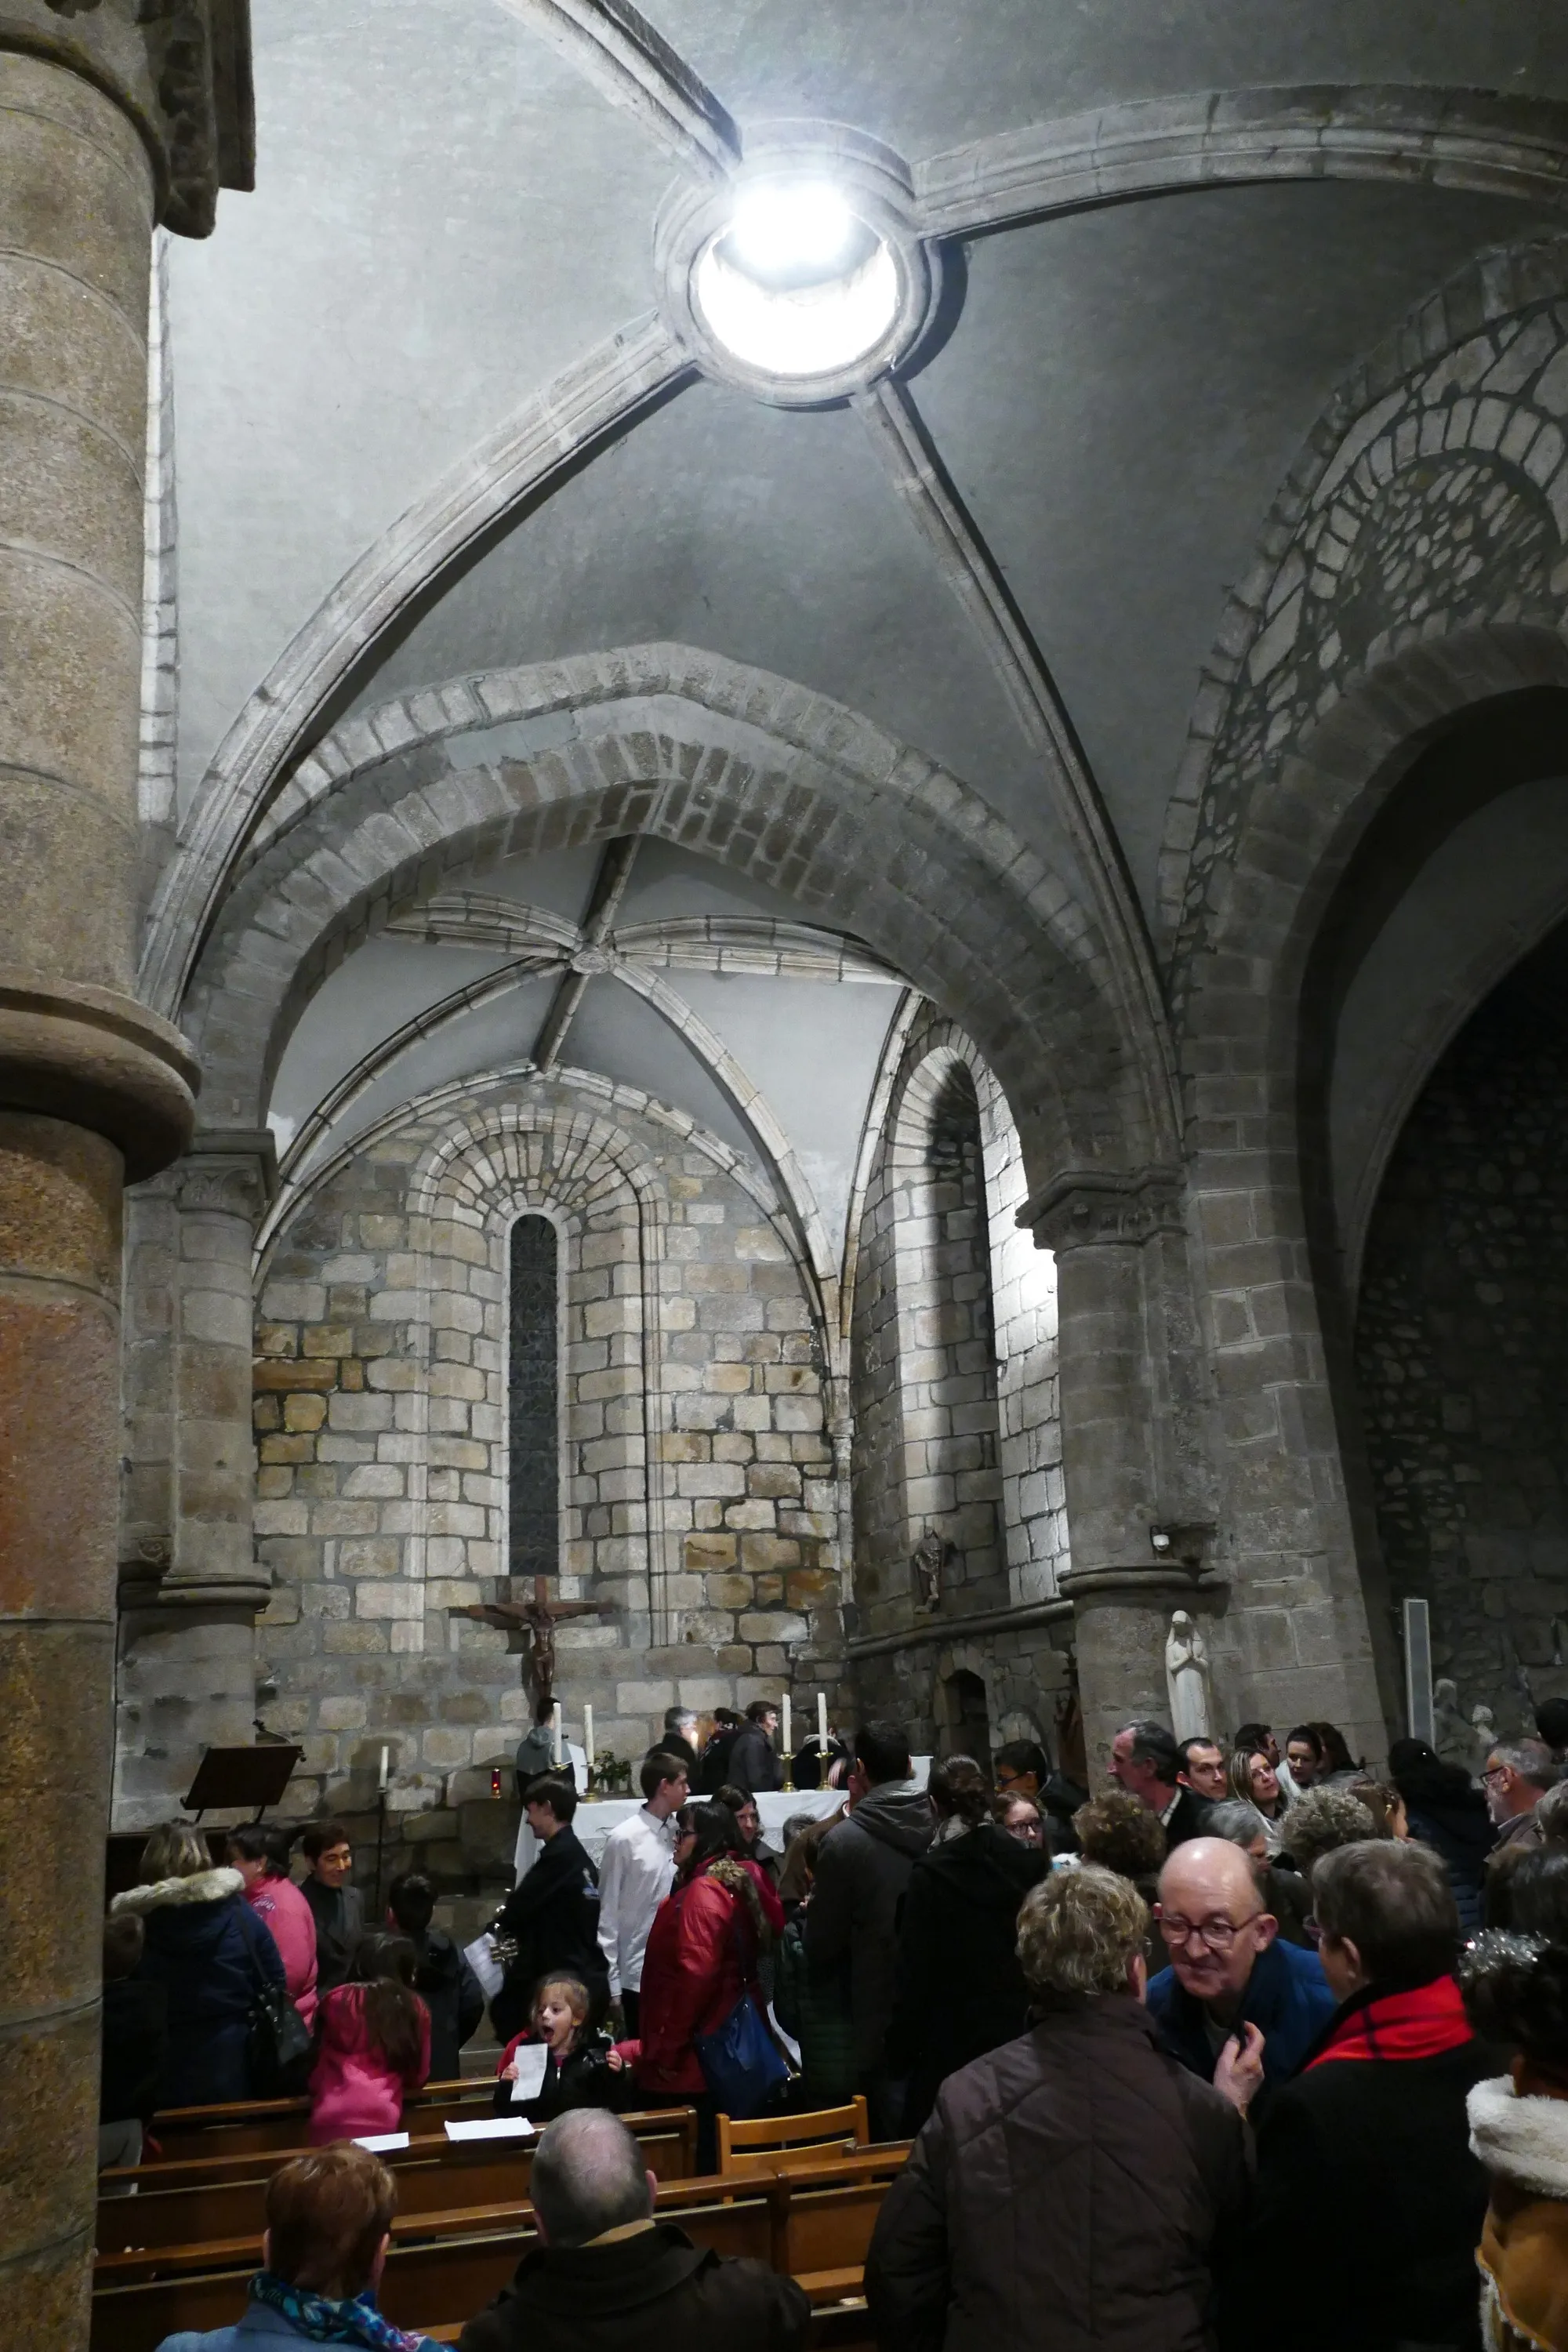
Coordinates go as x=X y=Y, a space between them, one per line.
x=278 y=2040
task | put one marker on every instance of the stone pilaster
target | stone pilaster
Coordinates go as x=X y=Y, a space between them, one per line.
x=111 y=116
x=189 y=1585
x=1130 y=1453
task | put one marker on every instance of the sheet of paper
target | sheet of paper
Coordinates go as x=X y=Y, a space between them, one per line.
x=531 y=2062
x=493 y=2127
x=379 y=2142
x=482 y=1961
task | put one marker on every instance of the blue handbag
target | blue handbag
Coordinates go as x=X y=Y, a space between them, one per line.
x=742 y=2063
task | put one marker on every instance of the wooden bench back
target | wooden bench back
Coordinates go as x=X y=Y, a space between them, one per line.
x=255 y=2126
x=757 y=2145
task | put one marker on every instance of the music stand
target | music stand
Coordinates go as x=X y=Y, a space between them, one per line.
x=246 y=1778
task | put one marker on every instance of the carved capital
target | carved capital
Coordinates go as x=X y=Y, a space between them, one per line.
x=1105 y=1208
x=98 y=1060
x=234 y=1173
x=179 y=68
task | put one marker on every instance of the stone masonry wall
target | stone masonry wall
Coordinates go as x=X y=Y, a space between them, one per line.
x=1462 y=1353
x=698 y=1496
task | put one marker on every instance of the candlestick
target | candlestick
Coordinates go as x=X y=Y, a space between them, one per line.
x=588 y=1748
x=788 y=1746
x=382 y=1783
x=822 y=1723
x=556 y=1750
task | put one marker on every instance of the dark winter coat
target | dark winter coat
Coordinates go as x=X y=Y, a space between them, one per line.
x=1187 y=1820
x=755 y=1764
x=454 y=1997
x=649 y=2293
x=863 y=1868
x=714 y=1765
x=1288 y=1997
x=959 y=1988
x=135 y=2049
x=584 y=2079
x=208 y=1951
x=1071 y=2188
x=552 y=1915
x=339 y=1915
x=1446 y=1812
x=1365 y=2165
x=815 y=2012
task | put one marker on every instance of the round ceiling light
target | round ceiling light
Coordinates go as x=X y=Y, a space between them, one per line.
x=804 y=277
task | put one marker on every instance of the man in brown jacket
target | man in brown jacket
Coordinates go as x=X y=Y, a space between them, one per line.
x=608 y=2277
x=1072 y=2188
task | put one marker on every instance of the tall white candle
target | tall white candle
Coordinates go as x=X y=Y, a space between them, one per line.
x=822 y=1723
x=788 y=1733
x=588 y=1740
x=380 y=1784
x=556 y=1750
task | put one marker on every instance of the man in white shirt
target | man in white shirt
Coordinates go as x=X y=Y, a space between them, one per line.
x=635 y=1874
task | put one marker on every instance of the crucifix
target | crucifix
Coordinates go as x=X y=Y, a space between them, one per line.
x=537 y=1618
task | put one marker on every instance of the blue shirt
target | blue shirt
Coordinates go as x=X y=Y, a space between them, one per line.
x=1288 y=1997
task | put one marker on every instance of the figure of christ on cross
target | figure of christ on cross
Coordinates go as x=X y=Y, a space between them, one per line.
x=538 y=1618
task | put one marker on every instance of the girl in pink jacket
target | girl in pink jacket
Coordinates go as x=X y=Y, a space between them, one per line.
x=261 y=1857
x=373 y=2045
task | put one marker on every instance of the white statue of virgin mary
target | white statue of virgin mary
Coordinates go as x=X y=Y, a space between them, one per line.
x=1187 y=1679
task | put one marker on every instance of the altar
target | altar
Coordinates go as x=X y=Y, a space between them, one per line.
x=596 y=1818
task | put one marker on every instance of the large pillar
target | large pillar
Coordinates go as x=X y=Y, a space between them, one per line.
x=1133 y=1458
x=93 y=1087
x=189 y=1586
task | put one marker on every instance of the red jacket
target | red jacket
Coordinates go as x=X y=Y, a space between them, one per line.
x=693 y=1971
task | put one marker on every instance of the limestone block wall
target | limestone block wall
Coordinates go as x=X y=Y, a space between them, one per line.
x=1462 y=1354
x=697 y=1497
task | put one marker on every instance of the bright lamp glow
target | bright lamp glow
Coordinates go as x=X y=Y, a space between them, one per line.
x=802 y=330
x=780 y=230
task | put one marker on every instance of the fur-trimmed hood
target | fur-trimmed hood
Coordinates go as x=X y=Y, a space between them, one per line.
x=1521 y=2139
x=203 y=1886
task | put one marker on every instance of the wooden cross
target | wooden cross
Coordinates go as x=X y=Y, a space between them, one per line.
x=537 y=1618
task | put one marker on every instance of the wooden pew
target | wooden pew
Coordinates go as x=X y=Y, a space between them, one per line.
x=820 y=2220
x=220 y=2198
x=249 y=2126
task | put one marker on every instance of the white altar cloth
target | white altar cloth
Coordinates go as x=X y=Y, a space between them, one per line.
x=595 y=1818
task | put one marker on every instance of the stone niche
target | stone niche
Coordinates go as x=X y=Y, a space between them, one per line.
x=697 y=1495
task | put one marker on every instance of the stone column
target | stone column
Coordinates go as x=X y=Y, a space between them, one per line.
x=1129 y=1460
x=189 y=1585
x=93 y=1087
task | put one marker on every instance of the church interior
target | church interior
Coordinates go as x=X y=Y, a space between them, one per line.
x=787 y=868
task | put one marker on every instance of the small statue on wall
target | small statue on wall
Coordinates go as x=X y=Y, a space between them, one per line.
x=1453 y=1733
x=1484 y=1736
x=1187 y=1679
x=929 y=1562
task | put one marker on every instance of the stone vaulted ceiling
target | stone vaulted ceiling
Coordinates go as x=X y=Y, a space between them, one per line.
x=428 y=422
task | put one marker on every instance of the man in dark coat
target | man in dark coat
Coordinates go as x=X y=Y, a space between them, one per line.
x=678 y=1739
x=863 y=1868
x=959 y=1989
x=755 y=1765
x=1232 y=1990
x=443 y=1980
x=553 y=1913
x=1074 y=2187
x=608 y=2277
x=713 y=1764
x=1364 y=2158
x=1146 y=1761
x=337 y=1907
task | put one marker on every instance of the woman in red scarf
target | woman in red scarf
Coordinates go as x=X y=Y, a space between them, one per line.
x=1369 y=2203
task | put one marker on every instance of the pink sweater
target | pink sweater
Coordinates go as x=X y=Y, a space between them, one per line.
x=354 y=2088
x=279 y=1903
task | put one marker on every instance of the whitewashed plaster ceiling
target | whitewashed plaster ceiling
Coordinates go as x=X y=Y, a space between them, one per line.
x=451 y=209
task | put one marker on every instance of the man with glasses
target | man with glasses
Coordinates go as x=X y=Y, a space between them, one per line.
x=1234 y=2002
x=1515 y=1781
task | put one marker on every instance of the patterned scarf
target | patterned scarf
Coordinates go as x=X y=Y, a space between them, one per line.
x=320 y=2321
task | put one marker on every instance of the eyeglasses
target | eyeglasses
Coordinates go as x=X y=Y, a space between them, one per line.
x=1005 y=1780
x=1218 y=1934
x=1494 y=1772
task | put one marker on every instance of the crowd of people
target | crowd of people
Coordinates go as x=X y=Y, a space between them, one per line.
x=1300 y=2005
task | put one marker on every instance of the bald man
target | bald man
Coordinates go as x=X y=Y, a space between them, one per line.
x=1232 y=1995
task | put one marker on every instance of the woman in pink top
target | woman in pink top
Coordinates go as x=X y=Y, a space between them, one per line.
x=372 y=2044
x=261 y=1857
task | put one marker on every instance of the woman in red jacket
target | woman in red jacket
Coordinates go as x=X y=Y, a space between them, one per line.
x=703 y=1947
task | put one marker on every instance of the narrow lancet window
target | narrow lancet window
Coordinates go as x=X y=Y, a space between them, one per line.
x=534 y=1388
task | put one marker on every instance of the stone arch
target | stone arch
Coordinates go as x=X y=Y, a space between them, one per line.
x=729 y=763
x=1290 y=1435
x=543 y=1151
x=1431 y=496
